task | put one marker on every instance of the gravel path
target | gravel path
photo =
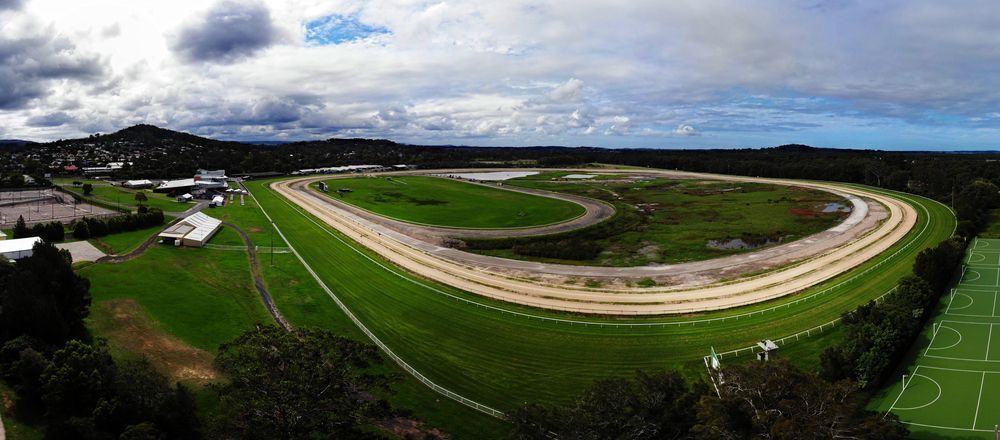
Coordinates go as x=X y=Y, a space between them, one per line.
x=900 y=219
x=258 y=280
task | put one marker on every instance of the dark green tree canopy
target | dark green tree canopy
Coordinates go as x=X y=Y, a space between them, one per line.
x=303 y=384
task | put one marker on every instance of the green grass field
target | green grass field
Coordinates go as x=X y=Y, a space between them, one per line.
x=477 y=348
x=123 y=242
x=446 y=202
x=690 y=220
x=203 y=296
x=950 y=390
x=124 y=197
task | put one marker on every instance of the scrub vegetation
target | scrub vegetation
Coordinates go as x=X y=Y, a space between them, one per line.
x=663 y=221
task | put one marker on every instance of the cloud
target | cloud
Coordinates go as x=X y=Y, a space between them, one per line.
x=29 y=64
x=685 y=130
x=230 y=31
x=580 y=72
x=50 y=120
x=11 y=4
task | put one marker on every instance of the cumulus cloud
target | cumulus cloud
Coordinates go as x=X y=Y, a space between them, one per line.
x=685 y=130
x=29 y=64
x=50 y=120
x=230 y=31
x=580 y=72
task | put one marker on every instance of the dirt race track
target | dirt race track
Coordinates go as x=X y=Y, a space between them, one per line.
x=868 y=235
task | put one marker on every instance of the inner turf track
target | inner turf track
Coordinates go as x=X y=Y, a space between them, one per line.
x=445 y=202
x=502 y=359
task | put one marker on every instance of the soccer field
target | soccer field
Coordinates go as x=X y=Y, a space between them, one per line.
x=950 y=391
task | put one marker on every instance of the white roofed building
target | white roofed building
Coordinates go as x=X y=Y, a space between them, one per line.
x=194 y=230
x=19 y=247
x=143 y=183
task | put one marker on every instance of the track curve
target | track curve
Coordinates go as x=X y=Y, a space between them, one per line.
x=901 y=217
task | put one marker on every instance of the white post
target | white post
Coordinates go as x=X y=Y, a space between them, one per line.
x=904 y=382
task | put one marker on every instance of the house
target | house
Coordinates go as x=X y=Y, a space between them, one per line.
x=19 y=247
x=194 y=230
x=136 y=184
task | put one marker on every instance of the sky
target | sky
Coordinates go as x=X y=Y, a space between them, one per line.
x=888 y=74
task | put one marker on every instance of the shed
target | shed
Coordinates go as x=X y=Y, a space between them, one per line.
x=194 y=230
x=217 y=201
x=142 y=183
x=3 y=236
x=19 y=247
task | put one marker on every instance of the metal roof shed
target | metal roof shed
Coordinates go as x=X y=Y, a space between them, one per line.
x=194 y=230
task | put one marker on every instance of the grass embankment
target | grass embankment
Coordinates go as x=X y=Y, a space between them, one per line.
x=123 y=242
x=666 y=221
x=503 y=360
x=124 y=197
x=199 y=298
x=446 y=202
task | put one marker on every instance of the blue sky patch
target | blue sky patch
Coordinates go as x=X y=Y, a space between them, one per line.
x=337 y=29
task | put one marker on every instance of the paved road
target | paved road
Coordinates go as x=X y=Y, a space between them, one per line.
x=631 y=300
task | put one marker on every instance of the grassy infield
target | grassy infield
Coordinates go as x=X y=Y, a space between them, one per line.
x=497 y=359
x=442 y=202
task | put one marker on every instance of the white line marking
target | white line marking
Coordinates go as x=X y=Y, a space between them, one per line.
x=978 y=401
x=939 y=326
x=988 y=339
x=893 y=405
x=926 y=404
x=971 y=302
x=993 y=312
x=945 y=427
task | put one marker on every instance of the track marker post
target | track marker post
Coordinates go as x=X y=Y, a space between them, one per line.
x=904 y=382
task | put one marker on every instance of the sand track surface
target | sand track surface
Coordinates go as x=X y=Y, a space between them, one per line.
x=876 y=224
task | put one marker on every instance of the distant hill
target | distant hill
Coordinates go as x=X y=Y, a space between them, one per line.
x=17 y=142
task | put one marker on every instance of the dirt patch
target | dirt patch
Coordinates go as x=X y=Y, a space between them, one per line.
x=803 y=213
x=255 y=229
x=128 y=327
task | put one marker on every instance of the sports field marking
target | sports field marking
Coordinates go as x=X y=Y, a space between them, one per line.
x=938 y=396
x=988 y=339
x=939 y=327
x=983 y=381
x=969 y=271
x=975 y=245
x=952 y=302
x=972 y=258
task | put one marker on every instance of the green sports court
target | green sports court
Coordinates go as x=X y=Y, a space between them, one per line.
x=952 y=389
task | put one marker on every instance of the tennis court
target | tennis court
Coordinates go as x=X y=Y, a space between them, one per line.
x=951 y=390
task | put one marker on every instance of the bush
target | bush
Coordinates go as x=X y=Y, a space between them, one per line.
x=563 y=249
x=129 y=222
x=81 y=231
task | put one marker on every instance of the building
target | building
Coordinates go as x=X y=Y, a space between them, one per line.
x=19 y=247
x=136 y=184
x=3 y=236
x=217 y=201
x=205 y=179
x=194 y=230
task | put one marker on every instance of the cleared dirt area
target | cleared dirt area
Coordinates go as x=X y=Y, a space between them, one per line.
x=867 y=233
x=129 y=328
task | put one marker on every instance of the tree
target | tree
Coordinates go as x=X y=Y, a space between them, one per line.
x=778 y=401
x=20 y=228
x=297 y=385
x=87 y=189
x=43 y=298
x=141 y=197
x=81 y=230
x=658 y=405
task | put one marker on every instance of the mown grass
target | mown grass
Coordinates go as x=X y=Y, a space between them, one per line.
x=204 y=297
x=503 y=360
x=124 y=197
x=446 y=202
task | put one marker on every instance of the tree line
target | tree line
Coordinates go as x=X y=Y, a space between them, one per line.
x=89 y=227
